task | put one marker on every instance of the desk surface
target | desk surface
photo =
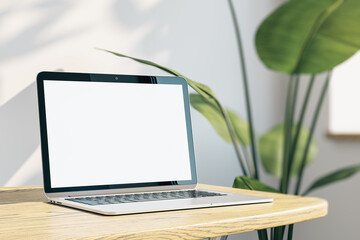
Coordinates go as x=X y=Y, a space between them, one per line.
x=24 y=213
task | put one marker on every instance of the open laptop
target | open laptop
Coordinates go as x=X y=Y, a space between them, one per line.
x=121 y=144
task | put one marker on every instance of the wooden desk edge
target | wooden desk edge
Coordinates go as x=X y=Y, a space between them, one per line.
x=215 y=229
x=317 y=209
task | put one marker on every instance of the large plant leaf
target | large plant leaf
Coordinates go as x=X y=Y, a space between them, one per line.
x=333 y=177
x=244 y=182
x=307 y=36
x=271 y=150
x=214 y=116
x=202 y=89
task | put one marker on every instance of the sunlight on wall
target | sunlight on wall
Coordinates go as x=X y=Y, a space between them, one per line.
x=345 y=98
x=43 y=35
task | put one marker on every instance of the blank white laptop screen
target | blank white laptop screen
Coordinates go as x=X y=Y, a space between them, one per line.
x=104 y=133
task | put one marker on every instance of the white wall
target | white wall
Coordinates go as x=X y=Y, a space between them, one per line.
x=194 y=37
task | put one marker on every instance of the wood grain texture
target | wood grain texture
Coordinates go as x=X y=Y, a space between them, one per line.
x=24 y=214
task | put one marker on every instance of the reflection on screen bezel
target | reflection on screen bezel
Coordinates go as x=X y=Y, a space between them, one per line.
x=89 y=77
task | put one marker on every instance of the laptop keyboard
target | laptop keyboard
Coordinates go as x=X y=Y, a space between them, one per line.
x=144 y=197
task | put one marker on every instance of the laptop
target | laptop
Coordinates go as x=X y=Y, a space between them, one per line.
x=121 y=144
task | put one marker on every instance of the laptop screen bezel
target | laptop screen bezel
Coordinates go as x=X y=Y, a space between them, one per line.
x=91 y=77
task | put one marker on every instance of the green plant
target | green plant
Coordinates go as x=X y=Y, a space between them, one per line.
x=305 y=37
x=300 y=37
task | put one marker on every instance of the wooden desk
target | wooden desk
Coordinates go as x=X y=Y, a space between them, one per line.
x=24 y=214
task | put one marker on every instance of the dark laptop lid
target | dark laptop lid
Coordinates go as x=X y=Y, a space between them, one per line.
x=101 y=131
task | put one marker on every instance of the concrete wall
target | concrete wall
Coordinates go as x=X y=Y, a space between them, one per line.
x=194 y=37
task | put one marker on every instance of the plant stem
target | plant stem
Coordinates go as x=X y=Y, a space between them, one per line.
x=288 y=126
x=249 y=159
x=296 y=138
x=313 y=125
x=262 y=234
x=276 y=231
x=287 y=133
x=300 y=123
x=233 y=136
x=290 y=232
x=287 y=152
x=279 y=232
x=293 y=107
x=246 y=88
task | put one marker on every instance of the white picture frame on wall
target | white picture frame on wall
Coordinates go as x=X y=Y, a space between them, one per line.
x=344 y=102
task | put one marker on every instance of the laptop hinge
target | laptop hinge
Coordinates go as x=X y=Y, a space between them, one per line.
x=121 y=191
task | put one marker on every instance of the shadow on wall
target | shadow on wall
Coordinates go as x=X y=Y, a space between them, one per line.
x=28 y=41
x=19 y=138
